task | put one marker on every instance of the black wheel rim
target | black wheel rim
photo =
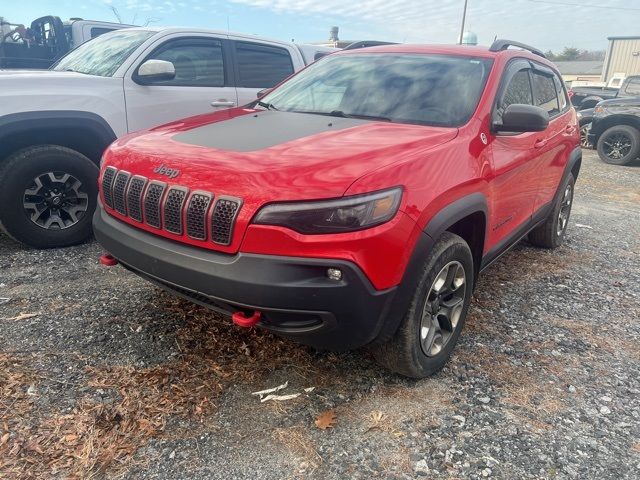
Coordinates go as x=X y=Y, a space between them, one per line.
x=565 y=210
x=443 y=308
x=584 y=136
x=55 y=200
x=617 y=146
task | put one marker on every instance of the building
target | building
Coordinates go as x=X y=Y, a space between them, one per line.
x=580 y=70
x=622 y=58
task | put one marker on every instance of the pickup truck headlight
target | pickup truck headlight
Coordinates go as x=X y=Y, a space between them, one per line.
x=599 y=110
x=345 y=214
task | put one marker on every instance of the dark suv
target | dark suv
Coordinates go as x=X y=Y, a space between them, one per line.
x=357 y=203
x=615 y=130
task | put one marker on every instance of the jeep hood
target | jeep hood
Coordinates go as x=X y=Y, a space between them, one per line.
x=266 y=156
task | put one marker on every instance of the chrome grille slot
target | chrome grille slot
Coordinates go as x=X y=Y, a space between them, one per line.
x=107 y=185
x=222 y=219
x=173 y=206
x=119 y=189
x=134 y=197
x=197 y=215
x=151 y=204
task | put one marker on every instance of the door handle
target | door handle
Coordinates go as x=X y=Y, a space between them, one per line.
x=570 y=129
x=223 y=103
x=540 y=143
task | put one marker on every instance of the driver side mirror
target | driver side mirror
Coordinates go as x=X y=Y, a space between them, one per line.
x=156 y=70
x=522 y=118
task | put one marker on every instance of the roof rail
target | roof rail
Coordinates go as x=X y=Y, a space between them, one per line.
x=502 y=44
x=367 y=43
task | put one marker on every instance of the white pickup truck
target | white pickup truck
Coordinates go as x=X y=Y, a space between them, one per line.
x=55 y=124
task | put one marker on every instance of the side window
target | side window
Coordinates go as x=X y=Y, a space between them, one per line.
x=198 y=62
x=545 y=93
x=633 y=87
x=262 y=66
x=518 y=91
x=97 y=31
x=562 y=96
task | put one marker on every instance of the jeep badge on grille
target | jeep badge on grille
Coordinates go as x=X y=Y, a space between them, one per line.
x=169 y=172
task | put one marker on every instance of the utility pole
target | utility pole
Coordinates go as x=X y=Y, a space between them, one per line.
x=464 y=16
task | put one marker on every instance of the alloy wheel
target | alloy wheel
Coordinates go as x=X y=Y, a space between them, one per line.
x=617 y=146
x=443 y=308
x=584 y=136
x=55 y=200
x=565 y=210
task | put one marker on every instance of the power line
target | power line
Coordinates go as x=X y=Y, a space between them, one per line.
x=631 y=9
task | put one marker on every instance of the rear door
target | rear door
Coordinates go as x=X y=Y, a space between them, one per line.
x=514 y=184
x=203 y=82
x=559 y=139
x=260 y=65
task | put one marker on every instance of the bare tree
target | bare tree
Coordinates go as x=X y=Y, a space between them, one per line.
x=115 y=12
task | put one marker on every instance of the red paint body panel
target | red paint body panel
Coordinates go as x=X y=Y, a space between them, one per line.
x=435 y=167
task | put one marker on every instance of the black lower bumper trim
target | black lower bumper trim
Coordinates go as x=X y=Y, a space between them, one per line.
x=294 y=294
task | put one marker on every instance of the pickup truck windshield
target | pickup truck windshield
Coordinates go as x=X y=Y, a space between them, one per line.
x=103 y=55
x=435 y=90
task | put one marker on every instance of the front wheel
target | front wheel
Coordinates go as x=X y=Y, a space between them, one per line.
x=619 y=145
x=48 y=194
x=432 y=324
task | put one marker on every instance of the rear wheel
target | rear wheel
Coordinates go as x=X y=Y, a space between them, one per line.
x=584 y=135
x=551 y=233
x=48 y=194
x=432 y=324
x=619 y=145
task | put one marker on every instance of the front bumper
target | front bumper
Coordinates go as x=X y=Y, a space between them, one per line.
x=295 y=296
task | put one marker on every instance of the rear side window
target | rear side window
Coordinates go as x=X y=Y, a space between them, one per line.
x=198 y=62
x=545 y=94
x=97 y=31
x=562 y=96
x=262 y=66
x=518 y=91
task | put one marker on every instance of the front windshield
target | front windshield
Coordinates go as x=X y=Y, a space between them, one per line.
x=103 y=55
x=434 y=90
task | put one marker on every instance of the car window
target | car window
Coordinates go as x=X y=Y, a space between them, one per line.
x=198 y=62
x=562 y=95
x=97 y=31
x=517 y=91
x=261 y=66
x=633 y=87
x=545 y=93
x=437 y=90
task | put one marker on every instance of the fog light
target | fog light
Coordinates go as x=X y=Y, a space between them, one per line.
x=334 y=274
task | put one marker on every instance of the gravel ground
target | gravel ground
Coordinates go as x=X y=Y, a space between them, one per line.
x=113 y=377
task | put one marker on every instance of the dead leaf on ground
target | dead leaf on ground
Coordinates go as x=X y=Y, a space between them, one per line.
x=24 y=316
x=326 y=420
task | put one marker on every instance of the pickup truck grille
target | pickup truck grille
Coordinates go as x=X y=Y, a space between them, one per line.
x=199 y=215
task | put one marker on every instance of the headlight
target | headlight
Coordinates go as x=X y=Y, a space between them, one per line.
x=598 y=110
x=345 y=214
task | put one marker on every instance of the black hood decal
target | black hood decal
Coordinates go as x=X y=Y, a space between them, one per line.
x=261 y=130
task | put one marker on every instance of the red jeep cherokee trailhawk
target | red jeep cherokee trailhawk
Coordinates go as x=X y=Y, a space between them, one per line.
x=357 y=202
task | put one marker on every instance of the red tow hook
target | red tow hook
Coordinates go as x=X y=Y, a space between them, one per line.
x=108 y=260
x=241 y=320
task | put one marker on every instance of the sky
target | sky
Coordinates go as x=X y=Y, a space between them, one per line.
x=545 y=24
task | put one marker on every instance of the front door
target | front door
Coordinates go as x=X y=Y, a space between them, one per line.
x=201 y=83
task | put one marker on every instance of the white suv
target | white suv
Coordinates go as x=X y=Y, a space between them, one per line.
x=55 y=124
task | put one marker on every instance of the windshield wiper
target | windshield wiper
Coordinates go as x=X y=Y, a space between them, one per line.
x=268 y=106
x=340 y=113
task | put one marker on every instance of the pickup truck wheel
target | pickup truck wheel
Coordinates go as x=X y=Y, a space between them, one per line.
x=431 y=327
x=619 y=145
x=584 y=135
x=48 y=194
x=550 y=234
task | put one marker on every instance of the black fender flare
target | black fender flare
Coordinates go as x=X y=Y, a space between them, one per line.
x=573 y=166
x=444 y=219
x=15 y=124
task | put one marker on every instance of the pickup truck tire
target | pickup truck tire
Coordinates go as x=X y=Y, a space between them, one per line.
x=619 y=145
x=48 y=195
x=550 y=234
x=432 y=324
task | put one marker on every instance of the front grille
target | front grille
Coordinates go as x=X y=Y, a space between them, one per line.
x=119 y=189
x=152 y=203
x=171 y=207
x=107 y=186
x=134 y=197
x=197 y=215
x=222 y=220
